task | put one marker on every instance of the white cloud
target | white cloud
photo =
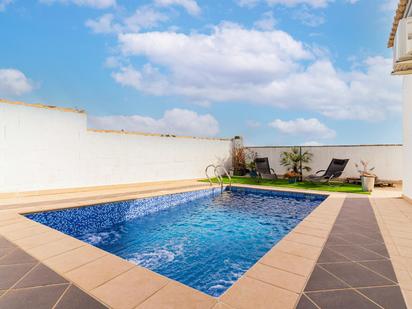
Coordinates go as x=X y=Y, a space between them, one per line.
x=267 y=22
x=175 y=121
x=144 y=17
x=4 y=4
x=306 y=17
x=104 y=24
x=14 y=83
x=97 y=4
x=234 y=64
x=190 y=6
x=304 y=127
x=247 y=3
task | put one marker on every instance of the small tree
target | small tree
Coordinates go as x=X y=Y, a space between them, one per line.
x=296 y=161
x=239 y=161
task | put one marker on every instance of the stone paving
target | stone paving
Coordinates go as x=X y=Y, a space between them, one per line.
x=27 y=283
x=340 y=256
x=354 y=269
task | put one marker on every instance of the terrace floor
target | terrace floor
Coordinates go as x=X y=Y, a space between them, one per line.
x=353 y=251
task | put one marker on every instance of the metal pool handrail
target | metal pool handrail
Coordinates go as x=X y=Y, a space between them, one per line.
x=217 y=175
x=220 y=176
x=207 y=174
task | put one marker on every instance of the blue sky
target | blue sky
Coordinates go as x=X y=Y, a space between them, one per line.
x=275 y=71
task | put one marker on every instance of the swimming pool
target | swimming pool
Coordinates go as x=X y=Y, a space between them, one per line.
x=205 y=239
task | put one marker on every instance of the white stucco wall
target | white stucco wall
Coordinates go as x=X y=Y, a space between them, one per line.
x=407 y=136
x=43 y=148
x=387 y=159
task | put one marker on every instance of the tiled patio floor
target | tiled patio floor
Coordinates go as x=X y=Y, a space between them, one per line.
x=354 y=269
x=27 y=283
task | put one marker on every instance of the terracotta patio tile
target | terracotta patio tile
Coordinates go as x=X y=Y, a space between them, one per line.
x=38 y=240
x=404 y=279
x=74 y=258
x=311 y=231
x=404 y=251
x=221 y=305
x=305 y=239
x=16 y=226
x=98 y=272
x=130 y=288
x=29 y=232
x=250 y=293
x=176 y=295
x=402 y=242
x=405 y=235
x=313 y=225
x=306 y=251
x=277 y=277
x=9 y=221
x=56 y=247
x=291 y=263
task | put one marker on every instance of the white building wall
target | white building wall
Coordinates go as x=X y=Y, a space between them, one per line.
x=387 y=159
x=42 y=148
x=407 y=137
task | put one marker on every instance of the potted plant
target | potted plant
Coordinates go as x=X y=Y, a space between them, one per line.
x=292 y=177
x=296 y=162
x=239 y=161
x=366 y=175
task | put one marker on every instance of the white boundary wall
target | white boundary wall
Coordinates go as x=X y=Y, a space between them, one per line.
x=44 y=148
x=387 y=159
x=407 y=136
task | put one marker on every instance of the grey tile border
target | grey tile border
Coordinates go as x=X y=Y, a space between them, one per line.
x=38 y=297
x=367 y=271
x=74 y=298
x=387 y=297
x=344 y=299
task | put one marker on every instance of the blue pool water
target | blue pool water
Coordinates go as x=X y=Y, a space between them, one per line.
x=204 y=239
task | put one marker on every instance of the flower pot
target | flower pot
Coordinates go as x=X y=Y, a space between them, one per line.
x=368 y=183
x=293 y=180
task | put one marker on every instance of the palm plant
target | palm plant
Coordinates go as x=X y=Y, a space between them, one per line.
x=296 y=161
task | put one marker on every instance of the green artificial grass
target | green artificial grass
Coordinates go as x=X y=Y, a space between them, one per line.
x=283 y=183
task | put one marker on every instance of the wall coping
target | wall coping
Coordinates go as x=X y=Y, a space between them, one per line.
x=328 y=146
x=80 y=111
